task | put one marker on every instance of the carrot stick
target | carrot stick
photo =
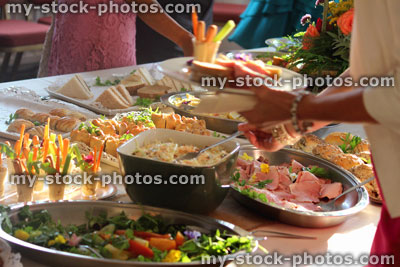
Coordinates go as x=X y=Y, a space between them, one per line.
x=60 y=142
x=17 y=148
x=26 y=140
x=211 y=32
x=195 y=21
x=21 y=136
x=99 y=158
x=25 y=153
x=94 y=159
x=58 y=160
x=45 y=149
x=35 y=153
x=35 y=140
x=201 y=29
x=65 y=150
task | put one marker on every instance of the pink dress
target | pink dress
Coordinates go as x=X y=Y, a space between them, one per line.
x=87 y=42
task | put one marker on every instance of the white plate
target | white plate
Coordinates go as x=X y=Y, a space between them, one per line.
x=177 y=68
x=14 y=98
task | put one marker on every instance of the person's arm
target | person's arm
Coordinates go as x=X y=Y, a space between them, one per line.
x=333 y=89
x=168 y=27
x=347 y=106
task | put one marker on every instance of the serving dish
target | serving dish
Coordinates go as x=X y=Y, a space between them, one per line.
x=14 y=98
x=222 y=125
x=177 y=68
x=74 y=213
x=198 y=198
x=352 y=203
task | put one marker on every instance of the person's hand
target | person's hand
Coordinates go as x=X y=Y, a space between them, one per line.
x=273 y=106
x=260 y=138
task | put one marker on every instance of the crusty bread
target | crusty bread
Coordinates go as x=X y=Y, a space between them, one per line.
x=125 y=94
x=153 y=91
x=337 y=138
x=112 y=99
x=76 y=88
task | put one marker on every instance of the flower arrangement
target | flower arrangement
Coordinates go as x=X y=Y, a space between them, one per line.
x=325 y=45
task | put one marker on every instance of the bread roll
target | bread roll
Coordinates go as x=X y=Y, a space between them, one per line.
x=53 y=122
x=327 y=151
x=60 y=112
x=364 y=172
x=347 y=161
x=159 y=120
x=308 y=142
x=37 y=130
x=66 y=124
x=15 y=126
x=24 y=113
x=362 y=147
x=112 y=144
x=337 y=138
x=96 y=142
x=40 y=117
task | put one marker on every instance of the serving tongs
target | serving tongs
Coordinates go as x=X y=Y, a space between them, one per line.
x=271 y=234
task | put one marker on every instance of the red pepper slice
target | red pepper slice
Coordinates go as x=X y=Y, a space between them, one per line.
x=162 y=244
x=138 y=249
x=179 y=239
x=146 y=235
x=120 y=232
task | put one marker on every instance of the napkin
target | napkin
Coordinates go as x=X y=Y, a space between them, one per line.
x=225 y=102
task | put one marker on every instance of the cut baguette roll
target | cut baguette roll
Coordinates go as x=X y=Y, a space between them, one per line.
x=76 y=88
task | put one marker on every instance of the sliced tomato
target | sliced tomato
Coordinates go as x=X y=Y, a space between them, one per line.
x=179 y=239
x=146 y=235
x=162 y=244
x=120 y=232
x=138 y=249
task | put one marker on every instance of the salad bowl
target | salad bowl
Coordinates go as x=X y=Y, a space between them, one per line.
x=73 y=212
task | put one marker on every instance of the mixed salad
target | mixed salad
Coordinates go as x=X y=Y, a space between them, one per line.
x=122 y=237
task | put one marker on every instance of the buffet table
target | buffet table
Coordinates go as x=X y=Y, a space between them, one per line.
x=352 y=237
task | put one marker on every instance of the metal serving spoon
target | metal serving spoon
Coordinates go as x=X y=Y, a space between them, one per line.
x=193 y=155
x=330 y=206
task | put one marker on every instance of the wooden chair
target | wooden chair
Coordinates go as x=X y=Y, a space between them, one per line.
x=18 y=36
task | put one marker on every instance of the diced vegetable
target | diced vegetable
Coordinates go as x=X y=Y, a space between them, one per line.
x=150 y=234
x=179 y=239
x=173 y=256
x=138 y=249
x=21 y=234
x=162 y=244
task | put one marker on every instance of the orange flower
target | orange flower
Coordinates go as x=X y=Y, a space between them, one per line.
x=345 y=22
x=311 y=32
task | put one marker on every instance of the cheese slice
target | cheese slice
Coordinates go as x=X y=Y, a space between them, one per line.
x=76 y=88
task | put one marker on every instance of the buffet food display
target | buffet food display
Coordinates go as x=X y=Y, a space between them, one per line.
x=345 y=150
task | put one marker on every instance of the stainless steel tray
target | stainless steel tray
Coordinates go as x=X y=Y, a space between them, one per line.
x=213 y=123
x=353 y=202
x=73 y=212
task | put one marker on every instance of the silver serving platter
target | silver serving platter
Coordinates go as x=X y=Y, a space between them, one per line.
x=213 y=123
x=73 y=212
x=348 y=205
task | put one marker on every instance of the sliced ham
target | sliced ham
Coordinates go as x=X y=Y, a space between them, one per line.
x=305 y=176
x=331 y=190
x=284 y=176
x=242 y=163
x=325 y=181
x=306 y=191
x=296 y=166
x=243 y=175
x=272 y=175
